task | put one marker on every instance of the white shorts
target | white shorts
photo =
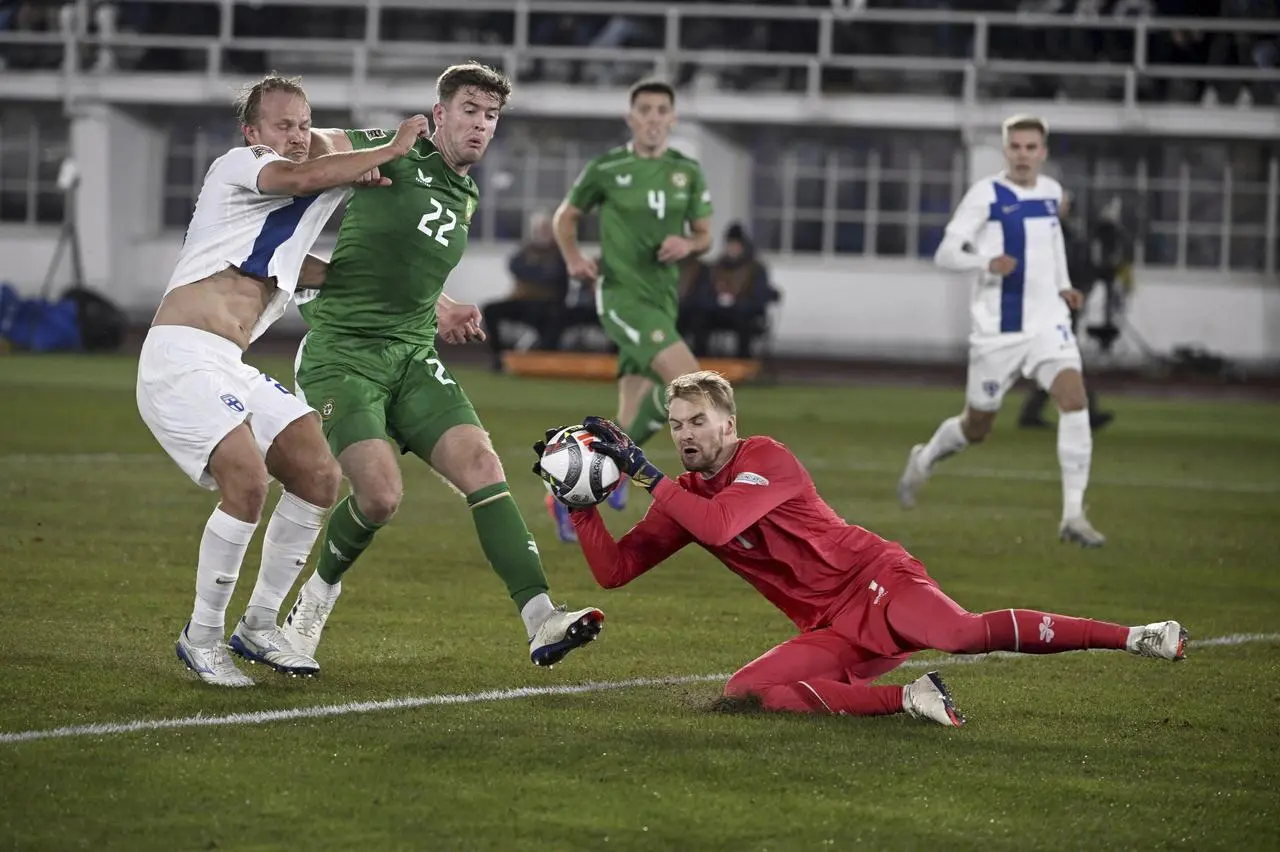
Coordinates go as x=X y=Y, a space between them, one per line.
x=193 y=389
x=996 y=361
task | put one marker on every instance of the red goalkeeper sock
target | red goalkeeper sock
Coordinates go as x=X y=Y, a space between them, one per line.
x=1030 y=631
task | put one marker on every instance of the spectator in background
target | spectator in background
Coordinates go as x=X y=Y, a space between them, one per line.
x=1179 y=47
x=538 y=297
x=1243 y=49
x=730 y=295
x=33 y=16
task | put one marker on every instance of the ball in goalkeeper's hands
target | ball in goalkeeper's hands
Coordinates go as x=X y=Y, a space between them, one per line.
x=580 y=476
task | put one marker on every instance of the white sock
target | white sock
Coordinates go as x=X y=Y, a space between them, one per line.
x=222 y=550
x=291 y=533
x=322 y=590
x=535 y=612
x=1075 y=452
x=947 y=441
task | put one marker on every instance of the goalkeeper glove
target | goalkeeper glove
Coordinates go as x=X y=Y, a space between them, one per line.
x=538 y=449
x=617 y=445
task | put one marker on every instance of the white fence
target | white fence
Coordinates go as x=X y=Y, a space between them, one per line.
x=821 y=42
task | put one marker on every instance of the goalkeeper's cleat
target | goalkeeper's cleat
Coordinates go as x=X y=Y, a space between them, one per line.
x=212 y=664
x=618 y=498
x=271 y=648
x=563 y=631
x=913 y=476
x=1079 y=531
x=1164 y=640
x=305 y=622
x=928 y=698
x=559 y=513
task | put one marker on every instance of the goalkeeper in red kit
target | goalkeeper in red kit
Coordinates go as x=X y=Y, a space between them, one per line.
x=862 y=603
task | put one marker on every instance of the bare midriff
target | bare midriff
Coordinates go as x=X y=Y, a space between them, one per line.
x=227 y=303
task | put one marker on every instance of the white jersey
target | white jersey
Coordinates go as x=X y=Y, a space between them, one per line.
x=266 y=236
x=999 y=217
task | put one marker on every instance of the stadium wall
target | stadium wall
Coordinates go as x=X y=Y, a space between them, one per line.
x=890 y=308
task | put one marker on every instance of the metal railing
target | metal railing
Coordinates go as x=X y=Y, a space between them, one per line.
x=871 y=210
x=827 y=43
x=836 y=203
x=1224 y=222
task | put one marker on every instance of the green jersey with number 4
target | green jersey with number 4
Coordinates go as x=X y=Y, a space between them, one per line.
x=642 y=201
x=396 y=247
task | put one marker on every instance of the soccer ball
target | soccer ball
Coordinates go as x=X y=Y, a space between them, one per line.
x=584 y=476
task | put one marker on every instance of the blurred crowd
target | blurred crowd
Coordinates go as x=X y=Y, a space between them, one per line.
x=611 y=31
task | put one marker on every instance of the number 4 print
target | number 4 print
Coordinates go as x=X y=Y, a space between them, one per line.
x=658 y=202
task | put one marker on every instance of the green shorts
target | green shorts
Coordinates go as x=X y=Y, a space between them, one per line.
x=368 y=388
x=640 y=331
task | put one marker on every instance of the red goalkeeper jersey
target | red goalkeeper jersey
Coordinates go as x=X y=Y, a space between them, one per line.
x=762 y=517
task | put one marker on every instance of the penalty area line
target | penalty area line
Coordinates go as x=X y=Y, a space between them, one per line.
x=262 y=717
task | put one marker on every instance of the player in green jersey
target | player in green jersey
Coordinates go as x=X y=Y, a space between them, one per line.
x=655 y=210
x=369 y=363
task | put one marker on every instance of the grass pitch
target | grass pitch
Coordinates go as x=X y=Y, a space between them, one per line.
x=98 y=534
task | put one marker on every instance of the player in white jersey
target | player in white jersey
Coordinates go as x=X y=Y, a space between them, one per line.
x=226 y=424
x=1006 y=234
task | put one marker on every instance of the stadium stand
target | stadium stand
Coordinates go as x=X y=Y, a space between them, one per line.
x=841 y=134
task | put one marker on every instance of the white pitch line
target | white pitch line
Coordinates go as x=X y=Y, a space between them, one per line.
x=262 y=717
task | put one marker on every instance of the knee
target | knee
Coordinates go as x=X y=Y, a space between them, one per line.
x=243 y=492
x=488 y=468
x=380 y=502
x=328 y=479
x=1068 y=391
x=746 y=681
x=962 y=634
x=480 y=470
x=1072 y=399
x=739 y=687
x=976 y=425
x=319 y=483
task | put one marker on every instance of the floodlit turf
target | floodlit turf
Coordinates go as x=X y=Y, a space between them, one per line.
x=98 y=533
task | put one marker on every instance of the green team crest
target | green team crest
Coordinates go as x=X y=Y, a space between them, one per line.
x=470 y=210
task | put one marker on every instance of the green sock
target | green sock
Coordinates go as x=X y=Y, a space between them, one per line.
x=650 y=419
x=346 y=536
x=506 y=542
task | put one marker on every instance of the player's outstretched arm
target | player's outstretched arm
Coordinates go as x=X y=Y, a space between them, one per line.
x=616 y=563
x=770 y=476
x=285 y=177
x=716 y=521
x=329 y=140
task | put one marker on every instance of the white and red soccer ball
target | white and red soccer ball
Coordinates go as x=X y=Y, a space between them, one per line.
x=583 y=477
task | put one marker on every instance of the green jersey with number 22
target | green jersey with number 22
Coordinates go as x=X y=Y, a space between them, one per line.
x=396 y=247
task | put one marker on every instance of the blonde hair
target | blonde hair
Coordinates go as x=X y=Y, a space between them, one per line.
x=248 y=100
x=1024 y=121
x=703 y=386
